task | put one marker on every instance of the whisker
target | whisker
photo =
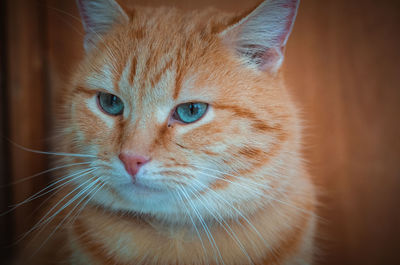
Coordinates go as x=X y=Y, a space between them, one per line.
x=205 y=227
x=236 y=183
x=85 y=204
x=71 y=211
x=50 y=153
x=77 y=19
x=233 y=176
x=38 y=194
x=224 y=225
x=193 y=222
x=65 y=205
x=216 y=195
x=44 y=172
x=47 y=199
x=43 y=222
x=51 y=196
x=263 y=194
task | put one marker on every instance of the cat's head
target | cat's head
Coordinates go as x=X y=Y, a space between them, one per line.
x=184 y=112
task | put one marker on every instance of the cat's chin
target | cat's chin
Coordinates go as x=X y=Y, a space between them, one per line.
x=166 y=218
x=139 y=199
x=141 y=191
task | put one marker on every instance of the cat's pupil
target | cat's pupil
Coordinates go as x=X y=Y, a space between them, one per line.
x=193 y=110
x=113 y=100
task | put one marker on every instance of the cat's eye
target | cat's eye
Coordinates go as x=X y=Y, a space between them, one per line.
x=110 y=104
x=190 y=112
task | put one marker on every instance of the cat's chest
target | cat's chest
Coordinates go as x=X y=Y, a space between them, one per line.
x=107 y=239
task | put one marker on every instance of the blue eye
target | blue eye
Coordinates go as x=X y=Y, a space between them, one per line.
x=190 y=112
x=110 y=103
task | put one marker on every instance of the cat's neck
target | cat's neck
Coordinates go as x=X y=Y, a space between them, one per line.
x=140 y=236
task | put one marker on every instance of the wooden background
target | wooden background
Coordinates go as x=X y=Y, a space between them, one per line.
x=342 y=66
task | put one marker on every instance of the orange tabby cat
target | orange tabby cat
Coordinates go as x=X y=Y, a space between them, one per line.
x=187 y=143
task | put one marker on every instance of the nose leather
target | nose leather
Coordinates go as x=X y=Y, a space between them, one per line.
x=133 y=162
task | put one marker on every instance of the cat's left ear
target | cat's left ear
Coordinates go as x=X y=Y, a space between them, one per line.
x=98 y=17
x=260 y=37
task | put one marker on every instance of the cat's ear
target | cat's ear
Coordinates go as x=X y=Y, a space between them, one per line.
x=260 y=37
x=98 y=17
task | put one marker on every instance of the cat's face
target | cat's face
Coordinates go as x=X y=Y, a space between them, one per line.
x=166 y=87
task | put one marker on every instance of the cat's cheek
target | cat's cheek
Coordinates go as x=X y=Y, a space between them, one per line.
x=93 y=107
x=91 y=122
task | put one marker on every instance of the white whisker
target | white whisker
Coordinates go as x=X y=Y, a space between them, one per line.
x=44 y=172
x=224 y=225
x=233 y=176
x=85 y=204
x=205 y=227
x=50 y=153
x=83 y=191
x=193 y=222
x=268 y=197
x=217 y=196
x=40 y=194
x=43 y=222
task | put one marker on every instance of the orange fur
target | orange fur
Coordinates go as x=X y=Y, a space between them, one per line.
x=252 y=139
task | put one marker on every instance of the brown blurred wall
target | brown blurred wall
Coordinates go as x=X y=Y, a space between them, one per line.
x=342 y=66
x=5 y=194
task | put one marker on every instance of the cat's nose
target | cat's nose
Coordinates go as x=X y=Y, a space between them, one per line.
x=133 y=162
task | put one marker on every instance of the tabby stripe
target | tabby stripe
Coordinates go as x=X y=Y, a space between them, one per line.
x=250 y=152
x=247 y=114
x=133 y=70
x=172 y=173
x=178 y=77
x=161 y=136
x=139 y=33
x=258 y=159
x=210 y=153
x=84 y=90
x=150 y=62
x=158 y=76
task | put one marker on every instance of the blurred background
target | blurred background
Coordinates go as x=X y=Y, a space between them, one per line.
x=342 y=67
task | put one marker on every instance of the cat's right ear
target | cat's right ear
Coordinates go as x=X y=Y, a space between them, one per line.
x=98 y=17
x=260 y=37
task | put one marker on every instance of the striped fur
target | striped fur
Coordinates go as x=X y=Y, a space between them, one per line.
x=238 y=170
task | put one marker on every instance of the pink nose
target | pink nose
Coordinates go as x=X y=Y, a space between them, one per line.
x=132 y=162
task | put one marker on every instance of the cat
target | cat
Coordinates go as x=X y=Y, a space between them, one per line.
x=185 y=143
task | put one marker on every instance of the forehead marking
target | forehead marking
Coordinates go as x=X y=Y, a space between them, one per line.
x=178 y=77
x=124 y=82
x=139 y=69
x=133 y=70
x=158 y=76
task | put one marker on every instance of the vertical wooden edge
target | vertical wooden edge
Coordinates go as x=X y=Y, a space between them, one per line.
x=27 y=108
x=43 y=9
x=6 y=222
